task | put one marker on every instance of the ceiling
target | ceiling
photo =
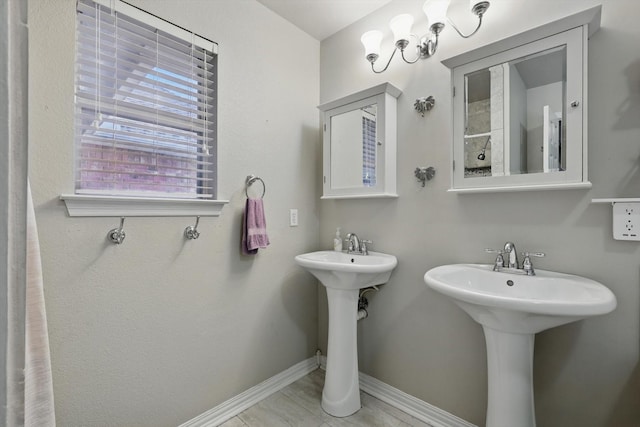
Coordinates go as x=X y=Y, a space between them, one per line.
x=322 y=18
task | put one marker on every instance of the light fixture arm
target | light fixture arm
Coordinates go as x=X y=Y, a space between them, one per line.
x=460 y=32
x=429 y=47
x=386 y=66
x=478 y=9
x=420 y=48
x=426 y=47
x=410 y=62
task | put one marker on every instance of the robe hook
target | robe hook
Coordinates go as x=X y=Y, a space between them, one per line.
x=117 y=235
x=191 y=232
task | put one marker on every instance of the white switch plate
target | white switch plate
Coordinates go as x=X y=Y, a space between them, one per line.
x=626 y=221
x=293 y=217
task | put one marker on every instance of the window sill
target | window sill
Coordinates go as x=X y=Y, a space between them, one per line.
x=615 y=200
x=108 y=206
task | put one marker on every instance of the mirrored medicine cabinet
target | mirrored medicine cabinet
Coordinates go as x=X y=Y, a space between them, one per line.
x=359 y=144
x=520 y=110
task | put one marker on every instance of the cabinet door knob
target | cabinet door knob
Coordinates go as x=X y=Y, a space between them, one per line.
x=575 y=104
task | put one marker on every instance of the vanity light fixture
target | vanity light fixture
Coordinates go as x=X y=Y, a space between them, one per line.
x=436 y=11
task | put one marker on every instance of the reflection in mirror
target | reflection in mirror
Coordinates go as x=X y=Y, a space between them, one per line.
x=514 y=114
x=353 y=148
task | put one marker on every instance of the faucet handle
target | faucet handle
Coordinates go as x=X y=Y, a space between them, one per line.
x=493 y=251
x=499 y=262
x=527 y=266
x=363 y=246
x=534 y=254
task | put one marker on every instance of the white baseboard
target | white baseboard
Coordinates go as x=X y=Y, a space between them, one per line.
x=232 y=407
x=413 y=406
x=408 y=404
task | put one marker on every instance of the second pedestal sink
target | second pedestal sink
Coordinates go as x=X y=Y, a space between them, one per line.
x=344 y=275
x=512 y=307
x=341 y=270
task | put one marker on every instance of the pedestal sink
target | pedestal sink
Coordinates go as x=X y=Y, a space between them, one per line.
x=512 y=307
x=343 y=275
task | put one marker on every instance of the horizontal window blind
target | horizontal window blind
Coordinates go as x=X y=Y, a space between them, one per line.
x=145 y=117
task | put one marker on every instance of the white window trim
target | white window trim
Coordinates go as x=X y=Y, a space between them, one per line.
x=80 y=205
x=110 y=206
x=159 y=23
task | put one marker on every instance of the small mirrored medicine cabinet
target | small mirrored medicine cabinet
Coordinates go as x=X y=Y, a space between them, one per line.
x=520 y=109
x=359 y=144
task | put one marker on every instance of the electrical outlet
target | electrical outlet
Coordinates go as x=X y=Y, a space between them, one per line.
x=293 y=217
x=626 y=221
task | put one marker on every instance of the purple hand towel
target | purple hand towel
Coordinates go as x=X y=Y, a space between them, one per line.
x=254 y=230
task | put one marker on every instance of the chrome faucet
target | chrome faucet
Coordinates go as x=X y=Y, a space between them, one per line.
x=356 y=245
x=353 y=243
x=510 y=250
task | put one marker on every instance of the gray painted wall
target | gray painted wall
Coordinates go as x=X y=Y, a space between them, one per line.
x=586 y=373
x=158 y=330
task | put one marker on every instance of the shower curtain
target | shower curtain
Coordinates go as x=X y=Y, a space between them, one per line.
x=38 y=401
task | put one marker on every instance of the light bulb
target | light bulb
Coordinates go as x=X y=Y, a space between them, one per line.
x=401 y=27
x=371 y=41
x=436 y=10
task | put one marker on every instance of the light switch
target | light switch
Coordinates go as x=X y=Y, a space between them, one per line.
x=293 y=217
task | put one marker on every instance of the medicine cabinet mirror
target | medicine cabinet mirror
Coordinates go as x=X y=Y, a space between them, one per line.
x=359 y=144
x=520 y=110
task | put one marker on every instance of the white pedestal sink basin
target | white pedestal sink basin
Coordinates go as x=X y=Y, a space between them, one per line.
x=343 y=275
x=512 y=307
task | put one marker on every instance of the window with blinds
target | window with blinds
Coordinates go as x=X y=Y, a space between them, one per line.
x=145 y=117
x=368 y=149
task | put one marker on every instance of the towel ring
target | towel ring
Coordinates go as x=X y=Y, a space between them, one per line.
x=250 y=180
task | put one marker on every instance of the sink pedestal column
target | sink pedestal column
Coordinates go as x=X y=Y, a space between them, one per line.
x=510 y=378
x=341 y=393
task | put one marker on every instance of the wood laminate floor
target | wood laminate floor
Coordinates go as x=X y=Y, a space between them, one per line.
x=299 y=405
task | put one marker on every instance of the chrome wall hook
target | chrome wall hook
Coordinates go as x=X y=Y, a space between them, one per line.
x=425 y=174
x=191 y=232
x=117 y=235
x=422 y=105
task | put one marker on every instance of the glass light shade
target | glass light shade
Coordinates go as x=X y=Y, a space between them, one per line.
x=436 y=10
x=371 y=41
x=401 y=27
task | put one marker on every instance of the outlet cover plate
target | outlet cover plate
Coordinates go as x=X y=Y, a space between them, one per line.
x=626 y=221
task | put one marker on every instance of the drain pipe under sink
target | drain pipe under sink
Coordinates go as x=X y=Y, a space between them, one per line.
x=363 y=303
